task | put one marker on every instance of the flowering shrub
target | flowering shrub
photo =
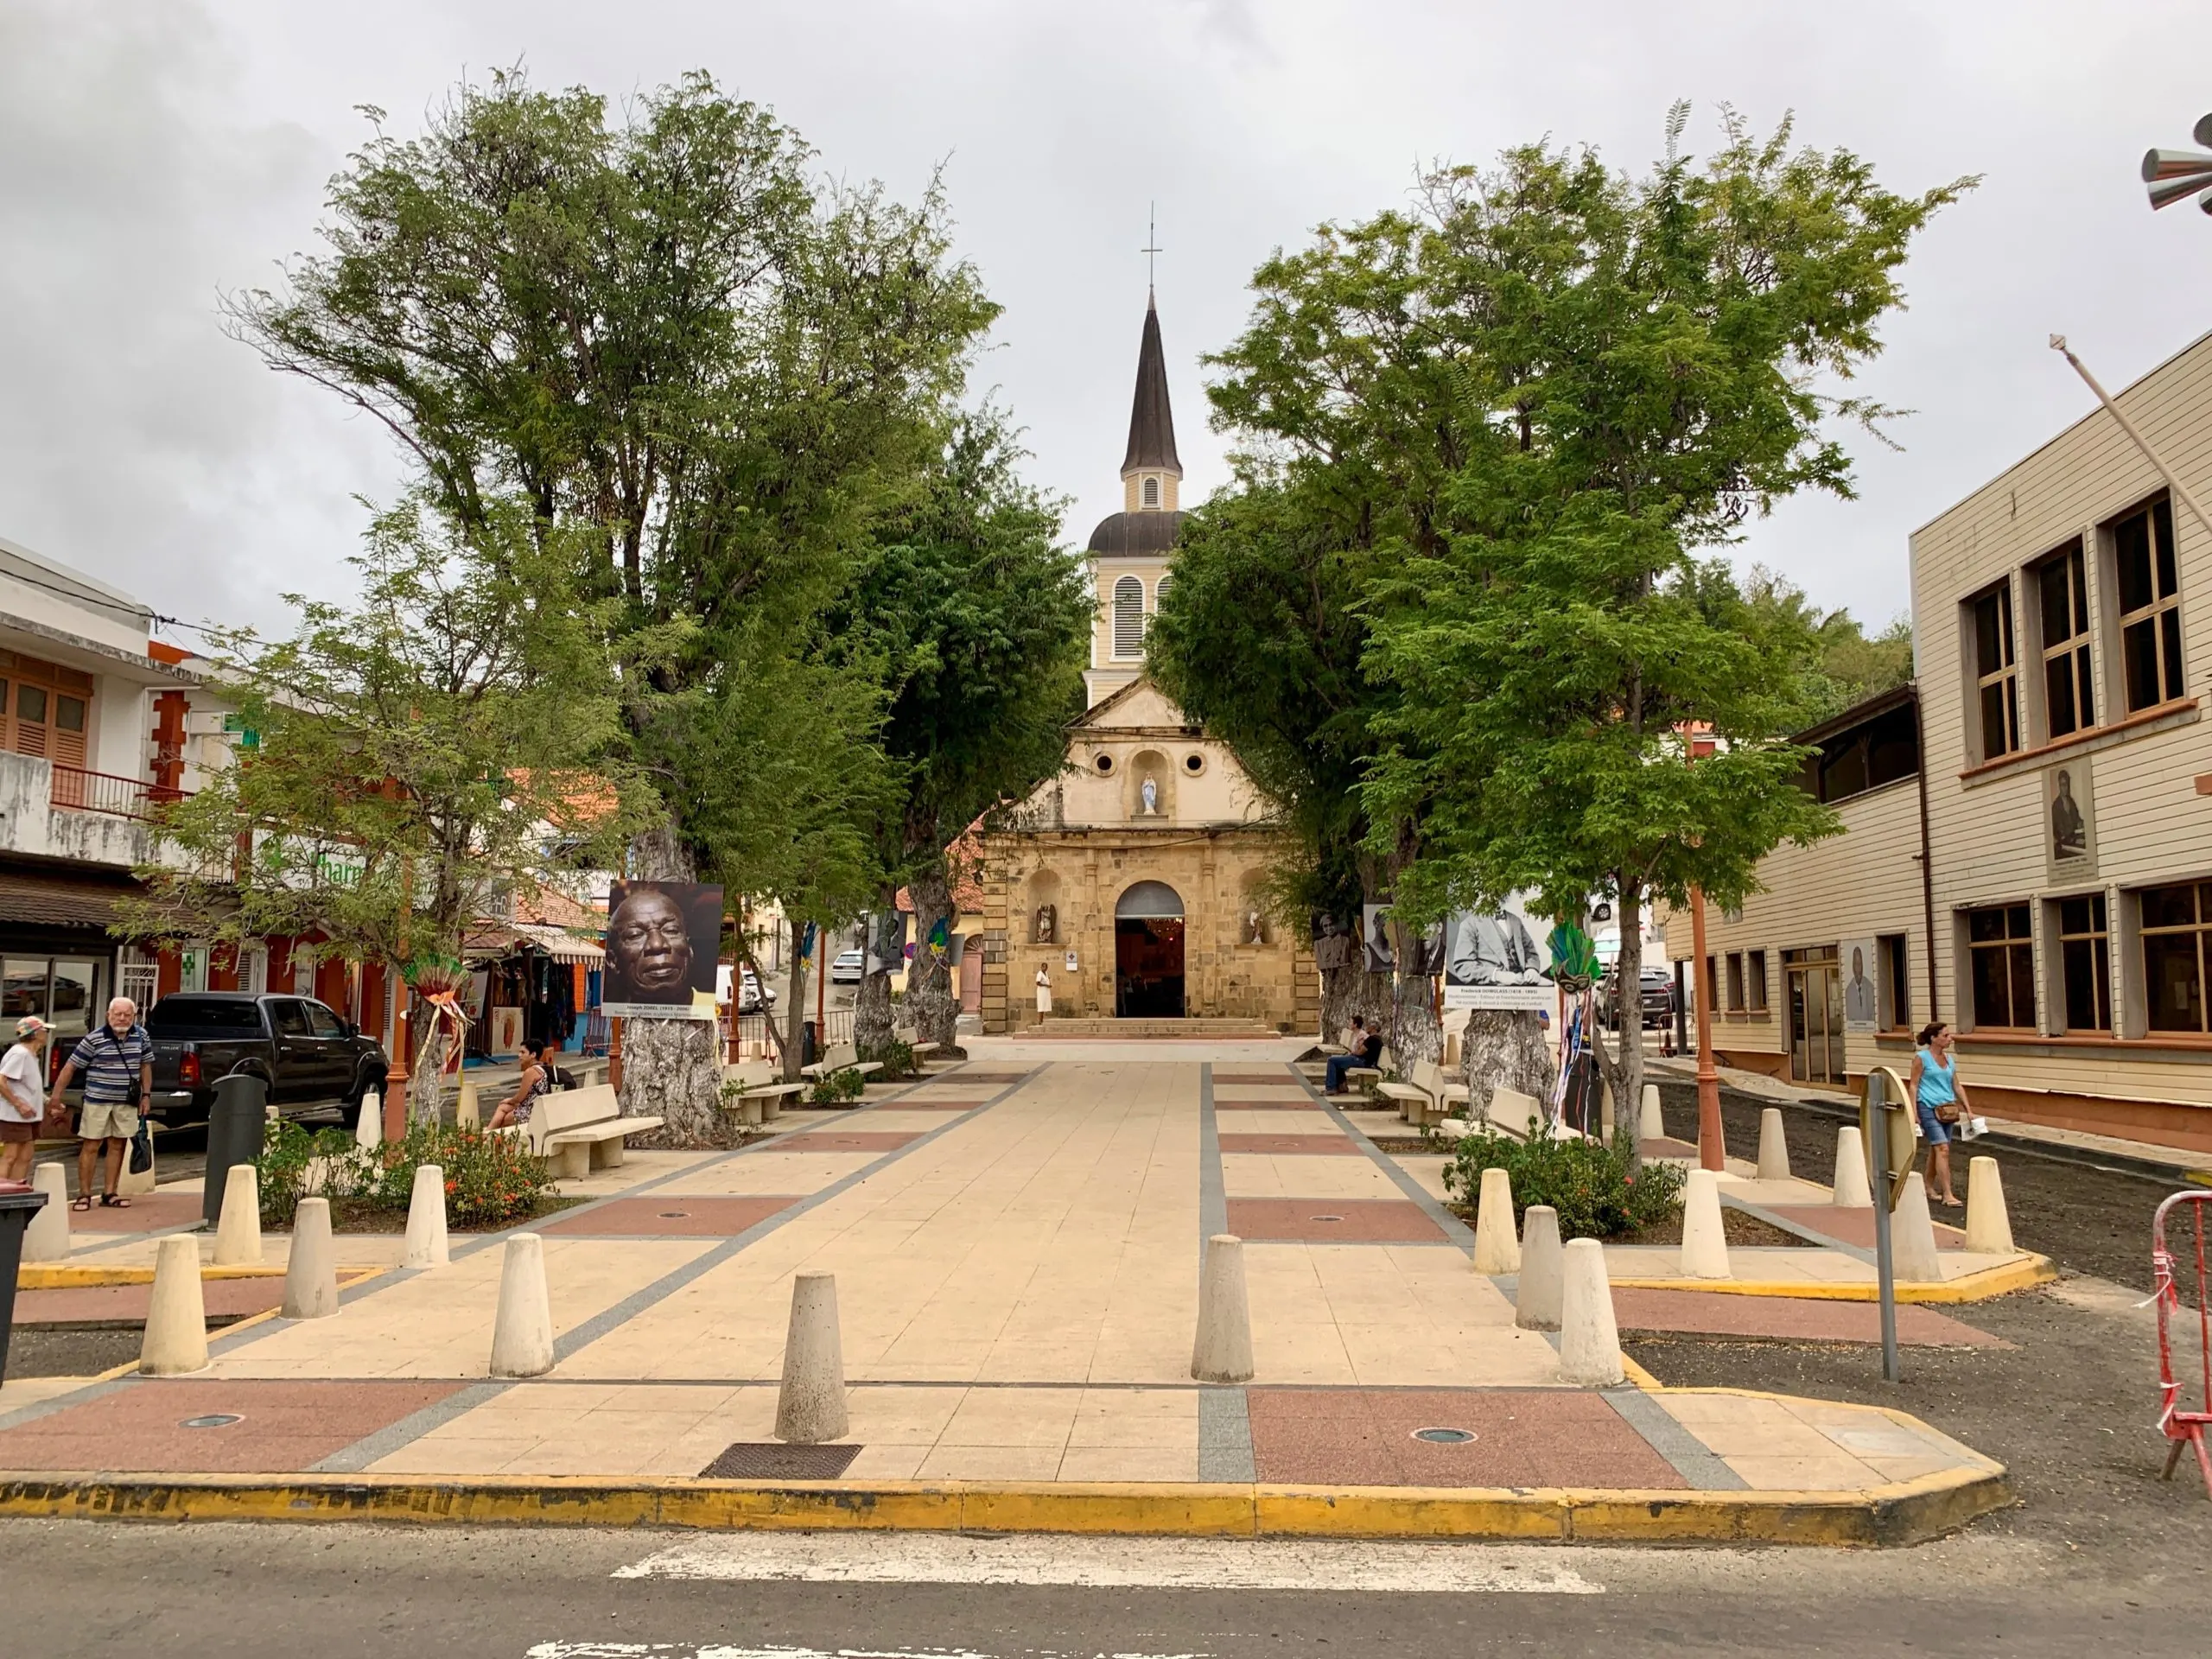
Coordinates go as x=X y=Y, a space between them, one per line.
x=492 y=1180
x=1588 y=1183
x=839 y=1086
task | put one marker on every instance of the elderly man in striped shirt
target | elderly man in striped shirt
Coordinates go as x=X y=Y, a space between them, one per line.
x=118 y=1061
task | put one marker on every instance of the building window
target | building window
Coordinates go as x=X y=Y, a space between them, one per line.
x=2176 y=921
x=2069 y=694
x=1875 y=751
x=1128 y=617
x=1735 y=982
x=2003 y=969
x=1152 y=491
x=1897 y=983
x=44 y=709
x=1755 y=980
x=1997 y=685
x=2149 y=611
x=2085 y=965
x=1710 y=988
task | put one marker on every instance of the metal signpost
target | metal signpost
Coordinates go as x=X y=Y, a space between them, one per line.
x=1885 y=1132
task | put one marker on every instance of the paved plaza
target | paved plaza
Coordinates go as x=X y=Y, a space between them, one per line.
x=1016 y=1244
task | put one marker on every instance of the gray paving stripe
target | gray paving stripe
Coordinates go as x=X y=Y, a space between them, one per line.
x=637 y=1302
x=1224 y=1435
x=351 y=1459
x=1213 y=1195
x=1689 y=1456
x=1454 y=1228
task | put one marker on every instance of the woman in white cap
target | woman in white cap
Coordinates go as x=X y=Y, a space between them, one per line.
x=22 y=1098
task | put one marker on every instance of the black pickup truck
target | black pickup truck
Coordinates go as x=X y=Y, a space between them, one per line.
x=304 y=1052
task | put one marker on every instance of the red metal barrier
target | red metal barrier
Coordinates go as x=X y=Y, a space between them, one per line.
x=2181 y=1426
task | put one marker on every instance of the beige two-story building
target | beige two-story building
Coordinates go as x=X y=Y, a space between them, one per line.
x=2027 y=850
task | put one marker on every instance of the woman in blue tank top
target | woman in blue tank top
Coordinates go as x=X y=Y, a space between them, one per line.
x=1941 y=1100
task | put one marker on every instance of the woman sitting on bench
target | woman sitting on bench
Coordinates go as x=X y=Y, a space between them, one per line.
x=536 y=1080
x=1366 y=1048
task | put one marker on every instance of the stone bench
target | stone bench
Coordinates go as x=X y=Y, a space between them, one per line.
x=754 y=1092
x=582 y=1130
x=1428 y=1098
x=843 y=1057
x=912 y=1036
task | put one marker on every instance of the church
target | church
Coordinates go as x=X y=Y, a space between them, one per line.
x=1132 y=880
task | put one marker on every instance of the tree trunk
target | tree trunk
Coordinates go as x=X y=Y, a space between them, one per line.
x=931 y=1005
x=425 y=1084
x=1505 y=1048
x=671 y=1069
x=1415 y=1033
x=794 y=1009
x=872 y=1019
x=1624 y=1075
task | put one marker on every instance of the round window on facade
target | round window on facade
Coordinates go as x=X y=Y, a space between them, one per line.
x=1194 y=764
x=1104 y=763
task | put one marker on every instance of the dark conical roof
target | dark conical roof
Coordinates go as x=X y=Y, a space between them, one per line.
x=1152 y=423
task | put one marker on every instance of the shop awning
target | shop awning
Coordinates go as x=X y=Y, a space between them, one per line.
x=489 y=941
x=38 y=900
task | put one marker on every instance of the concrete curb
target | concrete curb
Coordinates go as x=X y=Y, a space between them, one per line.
x=59 y=1276
x=1970 y=1287
x=1906 y=1512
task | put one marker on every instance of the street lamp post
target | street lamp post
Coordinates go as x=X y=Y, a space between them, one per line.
x=2170 y=175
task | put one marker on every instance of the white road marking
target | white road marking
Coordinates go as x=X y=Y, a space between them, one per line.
x=1117 y=1563
x=723 y=1651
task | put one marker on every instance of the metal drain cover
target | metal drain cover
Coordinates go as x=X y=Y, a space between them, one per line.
x=1444 y=1436
x=675 y=1215
x=774 y=1461
x=1325 y=1217
x=212 y=1420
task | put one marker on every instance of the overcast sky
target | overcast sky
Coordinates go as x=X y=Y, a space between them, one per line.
x=156 y=153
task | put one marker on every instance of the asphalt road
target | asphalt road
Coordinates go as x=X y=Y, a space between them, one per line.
x=94 y=1588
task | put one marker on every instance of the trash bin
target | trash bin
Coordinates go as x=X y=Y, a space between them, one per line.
x=809 y=1052
x=236 y=1124
x=17 y=1206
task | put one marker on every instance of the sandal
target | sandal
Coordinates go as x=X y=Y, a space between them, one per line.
x=110 y=1201
x=82 y=1201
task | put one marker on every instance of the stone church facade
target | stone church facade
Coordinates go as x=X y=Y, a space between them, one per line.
x=1133 y=879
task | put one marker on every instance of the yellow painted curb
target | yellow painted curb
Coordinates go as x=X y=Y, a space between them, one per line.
x=2000 y=1281
x=1901 y=1513
x=60 y=1276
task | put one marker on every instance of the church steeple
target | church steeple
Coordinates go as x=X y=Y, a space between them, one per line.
x=1152 y=423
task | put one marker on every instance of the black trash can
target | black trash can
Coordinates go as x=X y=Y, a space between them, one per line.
x=17 y=1209
x=236 y=1125
x=809 y=1049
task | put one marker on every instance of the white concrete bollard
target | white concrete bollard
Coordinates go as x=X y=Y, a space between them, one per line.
x=521 y=1330
x=1704 y=1245
x=175 y=1343
x=1912 y=1236
x=1774 y=1146
x=1536 y=1301
x=1853 y=1190
x=467 y=1115
x=1652 y=1118
x=311 y=1275
x=1589 y=1341
x=237 y=1228
x=46 y=1238
x=810 y=1404
x=426 y=1219
x=369 y=1131
x=1989 y=1225
x=1497 y=1249
x=1222 y=1352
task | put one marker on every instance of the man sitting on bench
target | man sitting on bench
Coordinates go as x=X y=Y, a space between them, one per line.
x=1366 y=1048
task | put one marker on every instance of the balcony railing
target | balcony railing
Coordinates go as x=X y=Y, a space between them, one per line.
x=102 y=791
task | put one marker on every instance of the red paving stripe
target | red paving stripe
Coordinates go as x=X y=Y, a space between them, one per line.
x=283 y=1428
x=222 y=1298
x=845 y=1141
x=1327 y=1145
x=1655 y=1146
x=1787 y=1318
x=674 y=1215
x=1333 y=1220
x=1363 y=1437
x=1853 y=1226
x=148 y=1212
x=1233 y=1104
x=1255 y=1077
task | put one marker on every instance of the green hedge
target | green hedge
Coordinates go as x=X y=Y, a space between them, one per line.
x=492 y=1180
x=1588 y=1183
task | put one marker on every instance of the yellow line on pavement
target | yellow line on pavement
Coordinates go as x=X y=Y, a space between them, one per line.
x=2000 y=1281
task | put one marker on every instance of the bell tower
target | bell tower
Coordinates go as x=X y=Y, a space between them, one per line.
x=1130 y=549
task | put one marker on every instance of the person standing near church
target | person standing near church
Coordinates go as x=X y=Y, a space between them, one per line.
x=1044 y=991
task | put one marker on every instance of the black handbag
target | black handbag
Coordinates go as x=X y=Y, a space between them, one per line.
x=142 y=1149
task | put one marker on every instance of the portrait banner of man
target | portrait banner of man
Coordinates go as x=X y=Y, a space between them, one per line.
x=1862 y=996
x=2069 y=821
x=1374 y=935
x=1497 y=959
x=663 y=941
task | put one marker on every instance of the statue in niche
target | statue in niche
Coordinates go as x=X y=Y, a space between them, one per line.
x=1041 y=929
x=1148 y=791
x=1255 y=928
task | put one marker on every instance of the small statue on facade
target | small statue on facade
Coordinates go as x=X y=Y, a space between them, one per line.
x=1255 y=928
x=1149 y=792
x=1041 y=929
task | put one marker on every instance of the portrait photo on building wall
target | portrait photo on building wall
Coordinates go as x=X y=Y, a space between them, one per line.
x=2069 y=821
x=663 y=941
x=1497 y=959
x=1862 y=992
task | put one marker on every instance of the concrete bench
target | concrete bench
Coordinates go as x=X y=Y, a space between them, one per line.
x=582 y=1130
x=912 y=1036
x=1428 y=1098
x=842 y=1057
x=752 y=1089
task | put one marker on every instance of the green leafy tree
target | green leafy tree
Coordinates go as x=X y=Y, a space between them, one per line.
x=422 y=753
x=666 y=333
x=1846 y=664
x=1640 y=365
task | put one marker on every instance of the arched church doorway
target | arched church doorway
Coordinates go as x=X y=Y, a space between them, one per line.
x=1149 y=952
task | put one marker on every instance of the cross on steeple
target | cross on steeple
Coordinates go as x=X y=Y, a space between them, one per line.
x=1151 y=244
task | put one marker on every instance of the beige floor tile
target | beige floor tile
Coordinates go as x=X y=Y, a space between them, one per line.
x=990 y=1463
x=1130 y=1417
x=1805 y=1474
x=886 y=1462
x=1005 y=1417
x=1130 y=1463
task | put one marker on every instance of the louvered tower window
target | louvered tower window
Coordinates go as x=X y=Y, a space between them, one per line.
x=1128 y=617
